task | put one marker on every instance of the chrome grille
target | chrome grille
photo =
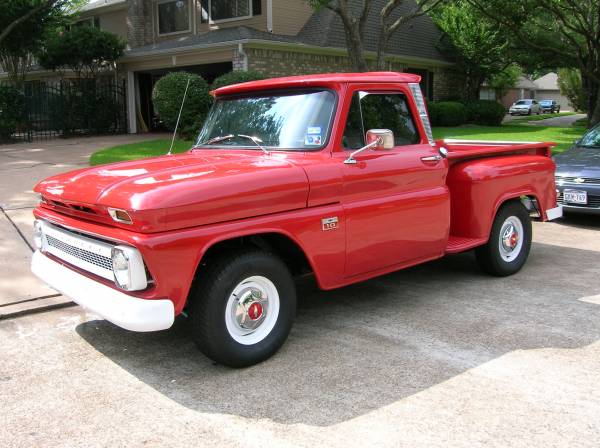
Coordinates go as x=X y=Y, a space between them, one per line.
x=90 y=257
x=571 y=180
x=86 y=253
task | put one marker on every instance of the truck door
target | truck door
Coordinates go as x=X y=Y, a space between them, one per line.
x=396 y=202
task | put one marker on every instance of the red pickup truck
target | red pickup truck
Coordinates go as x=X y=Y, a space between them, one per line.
x=336 y=175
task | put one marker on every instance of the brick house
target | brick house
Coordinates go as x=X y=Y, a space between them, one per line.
x=275 y=37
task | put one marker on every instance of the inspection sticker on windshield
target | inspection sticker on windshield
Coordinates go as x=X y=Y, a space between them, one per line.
x=313 y=136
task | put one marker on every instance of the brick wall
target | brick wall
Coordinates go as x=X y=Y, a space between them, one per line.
x=276 y=63
x=447 y=84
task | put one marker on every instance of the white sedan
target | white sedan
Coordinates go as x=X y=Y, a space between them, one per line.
x=525 y=107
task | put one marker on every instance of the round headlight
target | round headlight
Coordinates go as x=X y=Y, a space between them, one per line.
x=128 y=268
x=38 y=234
x=120 y=265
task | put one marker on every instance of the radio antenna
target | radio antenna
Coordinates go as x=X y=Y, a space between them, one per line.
x=179 y=116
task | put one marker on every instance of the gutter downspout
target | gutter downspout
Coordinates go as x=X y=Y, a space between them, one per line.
x=270 y=16
x=244 y=57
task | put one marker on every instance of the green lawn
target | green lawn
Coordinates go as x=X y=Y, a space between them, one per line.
x=564 y=137
x=150 y=148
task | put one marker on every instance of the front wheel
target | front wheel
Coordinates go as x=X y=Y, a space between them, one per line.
x=243 y=308
x=510 y=241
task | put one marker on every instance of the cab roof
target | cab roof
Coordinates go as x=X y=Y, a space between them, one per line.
x=321 y=80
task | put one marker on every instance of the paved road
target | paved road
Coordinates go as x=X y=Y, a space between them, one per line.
x=439 y=355
x=561 y=121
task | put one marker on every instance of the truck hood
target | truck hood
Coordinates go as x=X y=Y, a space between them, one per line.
x=197 y=188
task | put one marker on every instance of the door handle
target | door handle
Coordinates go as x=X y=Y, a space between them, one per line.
x=435 y=159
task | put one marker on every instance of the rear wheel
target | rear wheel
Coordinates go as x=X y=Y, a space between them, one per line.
x=510 y=241
x=243 y=308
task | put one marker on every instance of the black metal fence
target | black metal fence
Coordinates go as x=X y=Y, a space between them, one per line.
x=69 y=108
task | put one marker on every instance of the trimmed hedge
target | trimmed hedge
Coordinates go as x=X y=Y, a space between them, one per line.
x=168 y=94
x=235 y=78
x=447 y=113
x=485 y=112
x=12 y=110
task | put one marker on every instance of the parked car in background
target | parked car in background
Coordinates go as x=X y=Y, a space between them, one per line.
x=524 y=107
x=578 y=175
x=549 y=106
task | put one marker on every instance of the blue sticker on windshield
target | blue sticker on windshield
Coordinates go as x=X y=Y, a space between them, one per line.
x=312 y=139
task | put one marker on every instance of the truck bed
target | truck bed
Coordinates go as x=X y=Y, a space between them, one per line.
x=466 y=149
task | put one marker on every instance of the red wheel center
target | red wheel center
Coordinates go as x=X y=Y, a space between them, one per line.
x=255 y=311
x=513 y=239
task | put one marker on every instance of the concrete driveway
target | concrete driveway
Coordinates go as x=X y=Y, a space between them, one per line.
x=21 y=167
x=439 y=355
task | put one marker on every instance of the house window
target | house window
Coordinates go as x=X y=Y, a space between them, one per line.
x=92 y=21
x=229 y=9
x=173 y=16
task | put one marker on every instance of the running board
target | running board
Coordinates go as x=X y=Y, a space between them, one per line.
x=458 y=244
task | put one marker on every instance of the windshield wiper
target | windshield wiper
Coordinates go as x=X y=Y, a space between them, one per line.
x=219 y=139
x=257 y=141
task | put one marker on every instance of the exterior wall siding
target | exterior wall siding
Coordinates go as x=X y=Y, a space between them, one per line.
x=289 y=16
x=115 y=22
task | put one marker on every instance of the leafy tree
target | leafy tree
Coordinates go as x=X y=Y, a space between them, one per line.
x=84 y=49
x=474 y=42
x=564 y=33
x=354 y=15
x=23 y=24
x=505 y=80
x=569 y=82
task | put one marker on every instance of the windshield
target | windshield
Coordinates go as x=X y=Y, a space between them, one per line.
x=291 y=120
x=523 y=102
x=592 y=138
x=546 y=103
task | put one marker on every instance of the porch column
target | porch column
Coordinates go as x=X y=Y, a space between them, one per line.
x=131 y=110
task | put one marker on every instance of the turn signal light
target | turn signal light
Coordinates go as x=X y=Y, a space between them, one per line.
x=119 y=215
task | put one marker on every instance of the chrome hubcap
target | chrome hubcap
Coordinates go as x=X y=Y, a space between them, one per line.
x=252 y=310
x=511 y=241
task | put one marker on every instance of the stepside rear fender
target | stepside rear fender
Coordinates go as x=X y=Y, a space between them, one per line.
x=479 y=187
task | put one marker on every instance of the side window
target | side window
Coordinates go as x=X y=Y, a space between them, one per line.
x=379 y=111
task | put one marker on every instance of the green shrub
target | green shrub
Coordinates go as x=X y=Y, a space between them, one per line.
x=12 y=110
x=485 y=112
x=235 y=78
x=447 y=113
x=168 y=94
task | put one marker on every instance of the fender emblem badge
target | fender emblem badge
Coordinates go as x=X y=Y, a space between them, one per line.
x=329 y=223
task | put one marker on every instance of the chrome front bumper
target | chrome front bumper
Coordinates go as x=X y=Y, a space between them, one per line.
x=117 y=307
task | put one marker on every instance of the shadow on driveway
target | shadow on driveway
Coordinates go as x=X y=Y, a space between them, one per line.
x=363 y=347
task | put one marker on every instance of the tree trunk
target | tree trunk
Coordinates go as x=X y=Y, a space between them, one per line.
x=594 y=109
x=382 y=44
x=355 y=49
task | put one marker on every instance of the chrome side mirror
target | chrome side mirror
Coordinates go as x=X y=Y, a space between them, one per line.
x=377 y=139
x=384 y=137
